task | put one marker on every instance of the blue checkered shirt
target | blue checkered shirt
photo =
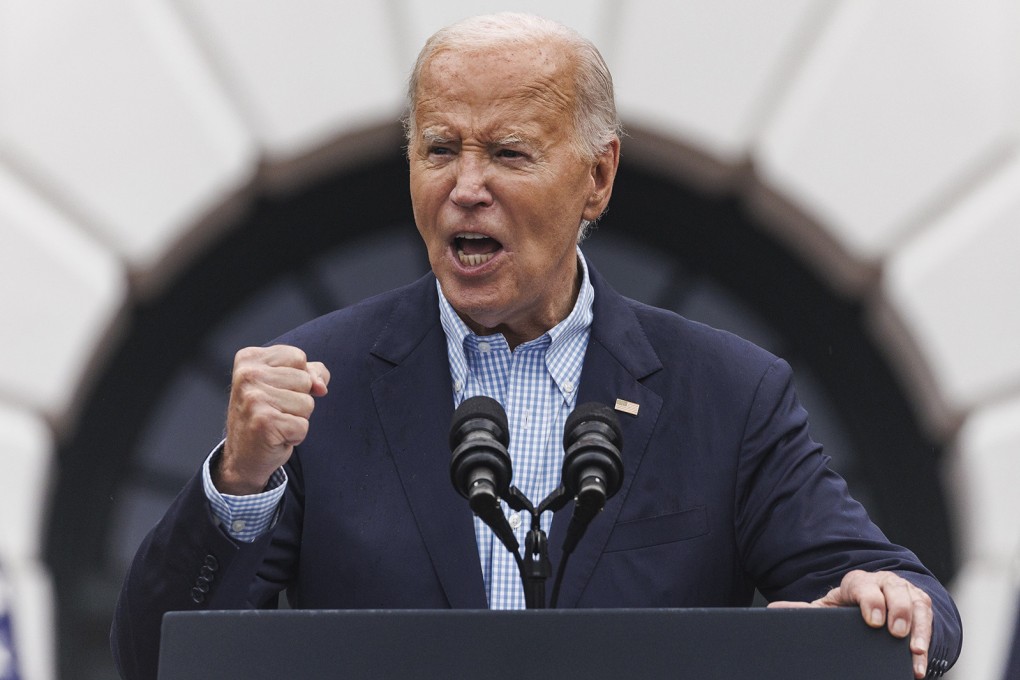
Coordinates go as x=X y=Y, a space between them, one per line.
x=536 y=384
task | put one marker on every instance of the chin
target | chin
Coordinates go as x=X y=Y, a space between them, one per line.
x=480 y=311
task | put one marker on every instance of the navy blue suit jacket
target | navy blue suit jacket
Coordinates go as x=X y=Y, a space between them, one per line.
x=724 y=490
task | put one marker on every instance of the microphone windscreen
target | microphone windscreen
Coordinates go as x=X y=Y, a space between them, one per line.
x=480 y=407
x=592 y=412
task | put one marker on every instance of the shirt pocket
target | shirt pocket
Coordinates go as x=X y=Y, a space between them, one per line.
x=651 y=531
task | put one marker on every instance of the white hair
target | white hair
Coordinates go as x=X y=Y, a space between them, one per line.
x=596 y=123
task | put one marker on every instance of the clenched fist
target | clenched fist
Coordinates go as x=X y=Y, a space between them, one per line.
x=271 y=398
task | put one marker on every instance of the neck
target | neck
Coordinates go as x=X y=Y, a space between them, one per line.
x=529 y=329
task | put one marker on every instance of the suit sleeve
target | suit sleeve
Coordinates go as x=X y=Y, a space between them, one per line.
x=799 y=529
x=186 y=562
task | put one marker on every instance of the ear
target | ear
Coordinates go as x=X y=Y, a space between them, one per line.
x=603 y=174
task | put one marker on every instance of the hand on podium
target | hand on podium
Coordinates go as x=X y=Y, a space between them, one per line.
x=885 y=599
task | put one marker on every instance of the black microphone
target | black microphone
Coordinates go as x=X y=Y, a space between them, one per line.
x=592 y=465
x=592 y=473
x=480 y=468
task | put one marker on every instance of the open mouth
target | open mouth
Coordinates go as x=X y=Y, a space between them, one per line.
x=474 y=249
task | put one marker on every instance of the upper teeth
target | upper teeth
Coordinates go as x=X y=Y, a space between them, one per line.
x=473 y=236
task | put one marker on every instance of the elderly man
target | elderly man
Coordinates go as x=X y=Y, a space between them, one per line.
x=513 y=144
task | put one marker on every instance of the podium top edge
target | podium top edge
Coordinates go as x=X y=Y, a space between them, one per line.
x=834 y=612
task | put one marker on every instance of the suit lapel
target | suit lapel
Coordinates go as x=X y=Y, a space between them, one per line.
x=415 y=404
x=618 y=357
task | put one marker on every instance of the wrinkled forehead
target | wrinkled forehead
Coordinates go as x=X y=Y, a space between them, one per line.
x=509 y=82
x=492 y=71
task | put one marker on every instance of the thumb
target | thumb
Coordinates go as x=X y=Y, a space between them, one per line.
x=785 y=604
x=320 y=378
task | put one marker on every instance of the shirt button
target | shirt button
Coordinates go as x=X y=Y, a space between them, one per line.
x=515 y=520
x=458 y=386
x=237 y=526
x=483 y=347
x=568 y=386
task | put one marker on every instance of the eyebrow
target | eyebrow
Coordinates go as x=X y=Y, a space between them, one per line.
x=433 y=137
x=510 y=140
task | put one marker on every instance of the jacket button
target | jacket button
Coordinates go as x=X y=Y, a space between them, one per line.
x=212 y=562
x=197 y=596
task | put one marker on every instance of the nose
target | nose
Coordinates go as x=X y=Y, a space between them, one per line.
x=471 y=187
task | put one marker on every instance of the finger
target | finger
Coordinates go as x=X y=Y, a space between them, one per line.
x=923 y=619
x=290 y=402
x=292 y=430
x=258 y=376
x=274 y=427
x=276 y=355
x=254 y=411
x=863 y=589
x=284 y=355
x=899 y=603
x=920 y=636
x=906 y=608
x=787 y=604
x=320 y=378
x=920 y=665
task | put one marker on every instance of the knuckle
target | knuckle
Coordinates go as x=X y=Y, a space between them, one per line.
x=308 y=404
x=294 y=431
x=855 y=576
x=857 y=581
x=247 y=354
x=299 y=405
x=305 y=382
x=296 y=355
x=262 y=420
x=246 y=394
x=247 y=373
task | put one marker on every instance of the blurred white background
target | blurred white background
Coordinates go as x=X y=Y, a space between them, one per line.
x=877 y=140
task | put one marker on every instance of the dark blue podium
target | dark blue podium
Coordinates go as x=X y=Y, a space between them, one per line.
x=618 y=644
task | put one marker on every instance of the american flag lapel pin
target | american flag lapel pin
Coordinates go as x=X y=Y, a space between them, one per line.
x=624 y=406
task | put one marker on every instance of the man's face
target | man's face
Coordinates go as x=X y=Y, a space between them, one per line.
x=498 y=188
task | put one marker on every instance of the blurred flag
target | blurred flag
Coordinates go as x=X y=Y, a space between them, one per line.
x=1013 y=665
x=8 y=662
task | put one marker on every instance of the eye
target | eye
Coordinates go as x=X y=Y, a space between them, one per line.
x=439 y=151
x=510 y=154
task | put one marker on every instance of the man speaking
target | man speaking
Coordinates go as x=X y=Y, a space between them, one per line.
x=333 y=480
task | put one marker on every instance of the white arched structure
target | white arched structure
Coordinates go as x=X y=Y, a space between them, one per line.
x=879 y=139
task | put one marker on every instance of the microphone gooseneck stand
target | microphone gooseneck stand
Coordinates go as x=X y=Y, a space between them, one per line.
x=481 y=471
x=535 y=567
